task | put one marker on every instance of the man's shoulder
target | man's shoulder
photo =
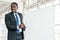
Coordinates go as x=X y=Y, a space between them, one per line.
x=8 y=14
x=19 y=13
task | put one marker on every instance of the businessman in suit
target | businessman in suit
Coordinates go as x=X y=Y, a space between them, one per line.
x=14 y=23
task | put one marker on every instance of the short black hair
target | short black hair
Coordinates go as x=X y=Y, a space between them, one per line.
x=14 y=3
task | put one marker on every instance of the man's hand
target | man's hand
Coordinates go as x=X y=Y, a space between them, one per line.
x=21 y=26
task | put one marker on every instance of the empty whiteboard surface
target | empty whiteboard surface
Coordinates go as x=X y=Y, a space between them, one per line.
x=40 y=24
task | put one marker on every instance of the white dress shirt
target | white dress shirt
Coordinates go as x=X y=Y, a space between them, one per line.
x=19 y=22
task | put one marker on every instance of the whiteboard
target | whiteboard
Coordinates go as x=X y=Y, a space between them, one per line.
x=40 y=24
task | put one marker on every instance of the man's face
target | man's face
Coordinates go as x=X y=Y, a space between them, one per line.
x=14 y=7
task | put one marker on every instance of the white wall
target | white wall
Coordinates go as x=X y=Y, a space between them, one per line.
x=40 y=24
x=57 y=22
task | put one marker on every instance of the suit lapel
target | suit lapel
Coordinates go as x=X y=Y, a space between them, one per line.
x=12 y=16
x=20 y=17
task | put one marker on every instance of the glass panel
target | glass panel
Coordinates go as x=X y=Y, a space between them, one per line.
x=3 y=30
x=30 y=2
x=57 y=14
x=35 y=1
x=56 y=2
x=49 y=4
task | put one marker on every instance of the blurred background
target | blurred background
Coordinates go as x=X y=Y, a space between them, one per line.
x=41 y=17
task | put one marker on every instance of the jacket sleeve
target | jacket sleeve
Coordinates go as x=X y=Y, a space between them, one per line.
x=8 y=24
x=22 y=23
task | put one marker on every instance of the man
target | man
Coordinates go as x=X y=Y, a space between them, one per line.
x=14 y=23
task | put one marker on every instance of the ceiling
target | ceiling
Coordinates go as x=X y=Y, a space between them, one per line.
x=5 y=5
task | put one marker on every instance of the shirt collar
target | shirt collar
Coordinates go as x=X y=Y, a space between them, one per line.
x=16 y=13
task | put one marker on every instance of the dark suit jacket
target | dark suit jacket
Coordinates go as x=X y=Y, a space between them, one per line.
x=11 y=25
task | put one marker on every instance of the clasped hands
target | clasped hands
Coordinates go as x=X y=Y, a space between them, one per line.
x=21 y=26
